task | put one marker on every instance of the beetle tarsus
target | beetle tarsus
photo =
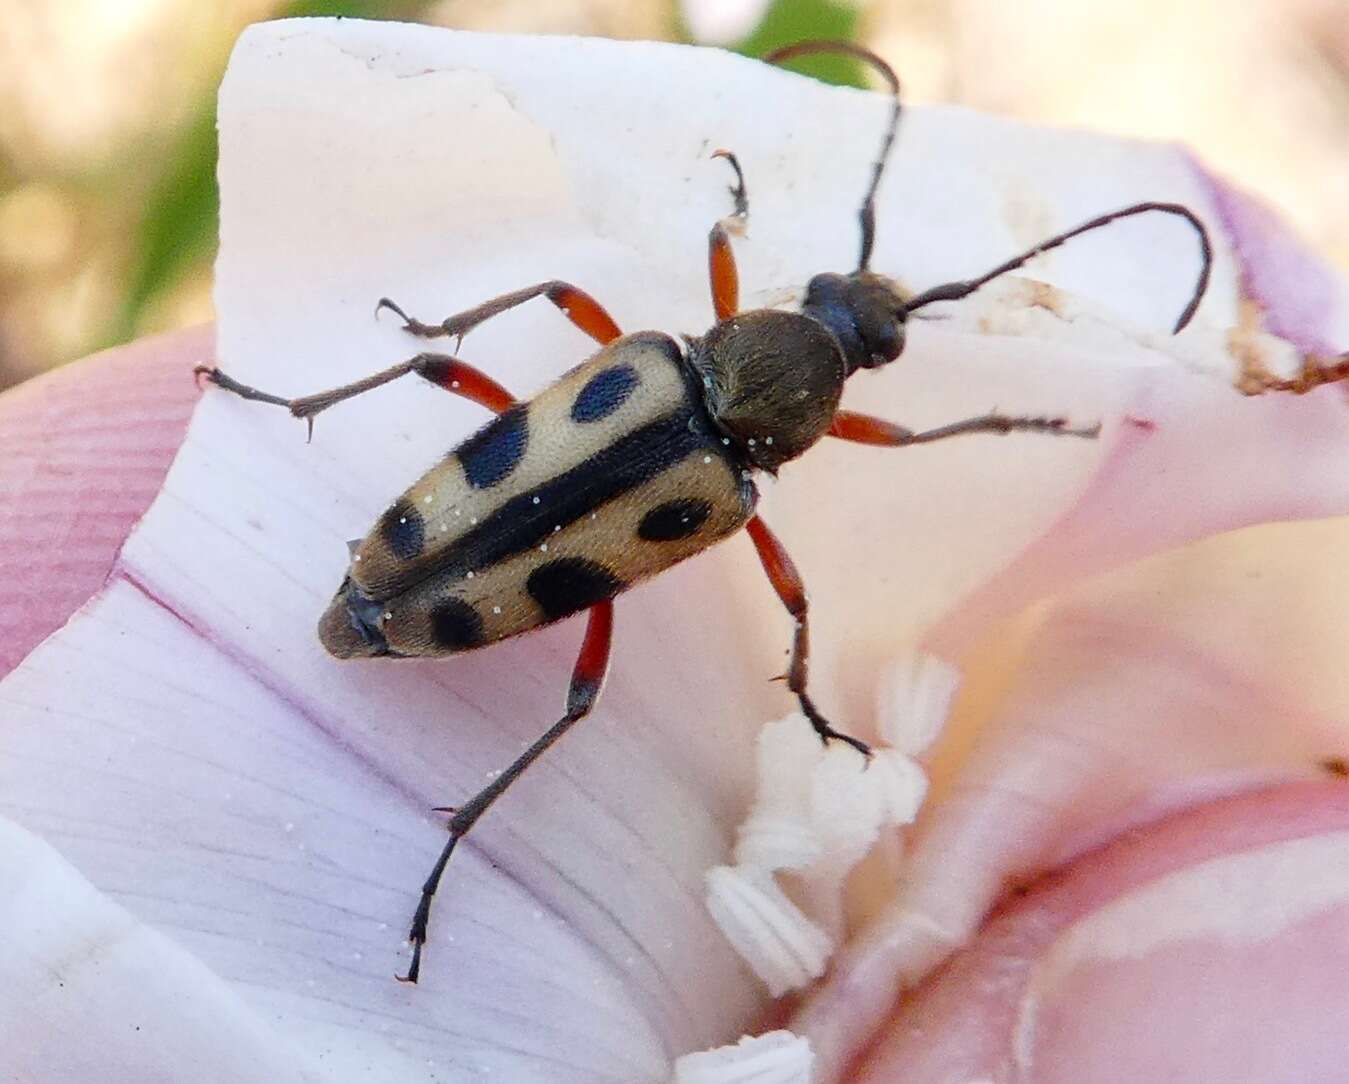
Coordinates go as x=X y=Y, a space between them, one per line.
x=826 y=732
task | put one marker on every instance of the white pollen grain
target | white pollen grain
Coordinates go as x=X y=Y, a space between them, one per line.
x=544 y=547
x=356 y=557
x=536 y=500
x=751 y=442
x=454 y=383
x=468 y=575
x=496 y=609
x=473 y=520
x=388 y=615
x=402 y=519
x=557 y=528
x=768 y=440
x=427 y=498
x=707 y=459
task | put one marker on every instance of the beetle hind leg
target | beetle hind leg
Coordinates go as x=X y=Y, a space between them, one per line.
x=586 y=680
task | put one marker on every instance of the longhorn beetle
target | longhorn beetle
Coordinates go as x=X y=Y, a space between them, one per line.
x=640 y=457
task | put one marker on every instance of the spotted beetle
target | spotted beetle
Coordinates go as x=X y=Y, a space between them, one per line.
x=638 y=458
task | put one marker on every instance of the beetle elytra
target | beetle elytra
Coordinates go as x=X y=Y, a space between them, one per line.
x=640 y=457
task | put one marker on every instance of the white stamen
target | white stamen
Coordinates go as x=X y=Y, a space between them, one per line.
x=778 y=1057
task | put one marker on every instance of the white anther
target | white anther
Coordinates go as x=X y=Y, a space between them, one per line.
x=777 y=1057
x=915 y=700
x=780 y=944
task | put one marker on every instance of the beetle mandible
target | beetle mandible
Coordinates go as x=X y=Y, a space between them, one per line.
x=638 y=458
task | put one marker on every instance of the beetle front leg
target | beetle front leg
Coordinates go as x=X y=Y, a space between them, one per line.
x=592 y=663
x=865 y=429
x=721 y=270
x=574 y=303
x=791 y=590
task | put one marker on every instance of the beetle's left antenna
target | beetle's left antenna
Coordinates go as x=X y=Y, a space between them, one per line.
x=867 y=215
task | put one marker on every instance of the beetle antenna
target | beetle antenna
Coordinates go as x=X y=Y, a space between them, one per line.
x=954 y=291
x=867 y=215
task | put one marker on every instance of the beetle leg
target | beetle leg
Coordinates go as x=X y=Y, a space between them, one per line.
x=864 y=429
x=787 y=583
x=455 y=376
x=574 y=303
x=586 y=680
x=721 y=271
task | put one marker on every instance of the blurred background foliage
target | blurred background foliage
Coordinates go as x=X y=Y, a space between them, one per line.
x=107 y=124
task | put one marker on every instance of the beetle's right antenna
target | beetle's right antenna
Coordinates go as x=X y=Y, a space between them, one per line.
x=867 y=215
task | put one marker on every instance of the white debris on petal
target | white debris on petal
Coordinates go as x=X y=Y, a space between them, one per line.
x=777 y=1057
x=779 y=943
x=916 y=700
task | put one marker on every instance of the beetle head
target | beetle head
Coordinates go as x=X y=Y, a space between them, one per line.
x=865 y=312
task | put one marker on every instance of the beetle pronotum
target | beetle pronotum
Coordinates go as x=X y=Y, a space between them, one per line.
x=638 y=458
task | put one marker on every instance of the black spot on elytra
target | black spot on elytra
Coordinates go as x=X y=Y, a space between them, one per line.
x=403 y=530
x=674 y=520
x=456 y=625
x=604 y=393
x=570 y=584
x=496 y=449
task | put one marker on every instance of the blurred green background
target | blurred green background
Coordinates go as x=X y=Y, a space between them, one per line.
x=107 y=126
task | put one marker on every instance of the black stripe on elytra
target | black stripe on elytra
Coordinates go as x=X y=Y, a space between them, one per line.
x=529 y=518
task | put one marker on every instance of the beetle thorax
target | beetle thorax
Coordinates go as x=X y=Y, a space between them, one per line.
x=772 y=381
